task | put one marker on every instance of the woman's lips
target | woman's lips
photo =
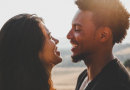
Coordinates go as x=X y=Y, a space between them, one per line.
x=58 y=53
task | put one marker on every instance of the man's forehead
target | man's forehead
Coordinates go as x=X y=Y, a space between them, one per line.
x=82 y=15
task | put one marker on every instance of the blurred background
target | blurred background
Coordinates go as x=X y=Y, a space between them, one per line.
x=57 y=15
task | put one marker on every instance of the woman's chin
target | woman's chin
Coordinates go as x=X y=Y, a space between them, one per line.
x=57 y=60
x=60 y=59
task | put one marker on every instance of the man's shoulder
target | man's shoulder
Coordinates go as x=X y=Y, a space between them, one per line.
x=119 y=70
x=116 y=68
x=118 y=87
x=116 y=76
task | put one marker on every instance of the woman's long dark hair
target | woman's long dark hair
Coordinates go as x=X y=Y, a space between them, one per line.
x=21 y=39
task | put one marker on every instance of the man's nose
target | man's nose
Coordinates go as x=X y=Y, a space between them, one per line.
x=70 y=35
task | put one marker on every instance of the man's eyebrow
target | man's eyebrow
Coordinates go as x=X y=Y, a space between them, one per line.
x=76 y=24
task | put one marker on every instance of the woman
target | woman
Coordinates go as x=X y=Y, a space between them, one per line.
x=28 y=52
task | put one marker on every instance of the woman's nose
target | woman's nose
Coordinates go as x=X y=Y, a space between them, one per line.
x=55 y=40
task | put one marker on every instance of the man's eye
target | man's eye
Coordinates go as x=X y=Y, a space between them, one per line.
x=77 y=30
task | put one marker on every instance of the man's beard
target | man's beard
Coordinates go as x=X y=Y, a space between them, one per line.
x=78 y=58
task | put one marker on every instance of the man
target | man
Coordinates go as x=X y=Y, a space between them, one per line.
x=96 y=27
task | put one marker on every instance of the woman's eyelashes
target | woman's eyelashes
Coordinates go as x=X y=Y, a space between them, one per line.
x=50 y=37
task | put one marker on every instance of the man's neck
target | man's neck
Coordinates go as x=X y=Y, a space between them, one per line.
x=96 y=63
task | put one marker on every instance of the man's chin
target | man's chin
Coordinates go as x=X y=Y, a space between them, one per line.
x=78 y=58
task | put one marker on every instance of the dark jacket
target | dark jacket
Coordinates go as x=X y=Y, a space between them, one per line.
x=113 y=76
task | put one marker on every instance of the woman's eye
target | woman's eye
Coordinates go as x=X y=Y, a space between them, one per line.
x=50 y=37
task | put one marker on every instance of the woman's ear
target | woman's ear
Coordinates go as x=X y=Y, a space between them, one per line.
x=105 y=34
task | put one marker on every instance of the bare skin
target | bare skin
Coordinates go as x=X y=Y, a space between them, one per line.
x=98 y=61
x=102 y=56
x=95 y=43
x=49 y=55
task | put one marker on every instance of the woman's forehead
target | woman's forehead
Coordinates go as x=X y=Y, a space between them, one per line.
x=45 y=28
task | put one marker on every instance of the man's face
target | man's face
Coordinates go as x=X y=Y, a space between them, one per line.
x=82 y=35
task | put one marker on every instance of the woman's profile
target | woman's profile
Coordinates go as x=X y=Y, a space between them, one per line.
x=28 y=52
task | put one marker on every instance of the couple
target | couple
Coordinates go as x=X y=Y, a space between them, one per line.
x=28 y=52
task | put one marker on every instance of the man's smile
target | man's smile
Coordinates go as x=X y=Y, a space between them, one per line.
x=74 y=46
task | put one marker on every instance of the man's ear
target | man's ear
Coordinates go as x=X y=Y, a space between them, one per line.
x=105 y=34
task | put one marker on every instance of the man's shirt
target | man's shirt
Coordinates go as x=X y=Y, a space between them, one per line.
x=113 y=76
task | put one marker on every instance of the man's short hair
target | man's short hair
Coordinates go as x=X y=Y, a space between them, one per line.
x=108 y=13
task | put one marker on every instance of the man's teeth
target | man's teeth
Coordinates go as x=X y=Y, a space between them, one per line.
x=74 y=45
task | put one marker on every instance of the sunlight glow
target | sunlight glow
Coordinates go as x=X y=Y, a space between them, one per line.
x=57 y=14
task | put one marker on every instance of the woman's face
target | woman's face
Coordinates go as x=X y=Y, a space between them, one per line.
x=49 y=53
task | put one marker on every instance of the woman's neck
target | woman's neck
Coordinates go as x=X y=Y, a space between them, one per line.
x=49 y=68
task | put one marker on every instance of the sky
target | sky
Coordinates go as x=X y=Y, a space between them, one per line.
x=57 y=14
